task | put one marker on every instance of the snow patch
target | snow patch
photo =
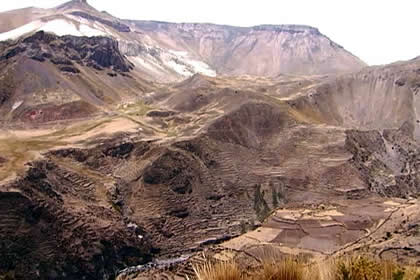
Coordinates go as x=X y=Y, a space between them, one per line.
x=165 y=61
x=63 y=27
x=178 y=67
x=59 y=27
x=22 y=30
x=148 y=63
x=203 y=68
x=188 y=65
x=179 y=53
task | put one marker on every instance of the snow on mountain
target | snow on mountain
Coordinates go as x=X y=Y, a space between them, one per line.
x=20 y=31
x=169 y=52
x=164 y=62
x=63 y=27
x=59 y=27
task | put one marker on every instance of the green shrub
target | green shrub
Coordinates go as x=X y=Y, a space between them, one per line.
x=398 y=275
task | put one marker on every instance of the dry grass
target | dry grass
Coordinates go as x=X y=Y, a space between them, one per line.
x=281 y=270
x=361 y=268
x=219 y=271
x=356 y=268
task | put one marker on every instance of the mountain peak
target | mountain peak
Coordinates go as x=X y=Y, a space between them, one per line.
x=75 y=4
x=79 y=1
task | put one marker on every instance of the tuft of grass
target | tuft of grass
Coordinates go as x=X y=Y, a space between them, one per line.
x=218 y=271
x=283 y=270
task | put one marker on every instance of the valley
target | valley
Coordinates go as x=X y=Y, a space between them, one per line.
x=116 y=164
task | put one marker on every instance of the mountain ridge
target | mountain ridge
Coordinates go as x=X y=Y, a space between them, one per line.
x=173 y=51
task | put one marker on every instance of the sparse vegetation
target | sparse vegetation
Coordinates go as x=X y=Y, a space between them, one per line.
x=138 y=108
x=356 y=268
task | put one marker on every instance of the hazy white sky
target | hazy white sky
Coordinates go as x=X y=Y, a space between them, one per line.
x=377 y=31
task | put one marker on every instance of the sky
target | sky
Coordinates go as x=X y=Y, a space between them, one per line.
x=377 y=31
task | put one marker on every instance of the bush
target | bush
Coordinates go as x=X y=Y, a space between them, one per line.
x=358 y=269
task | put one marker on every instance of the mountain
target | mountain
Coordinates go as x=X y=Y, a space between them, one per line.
x=46 y=78
x=169 y=51
x=70 y=86
x=266 y=50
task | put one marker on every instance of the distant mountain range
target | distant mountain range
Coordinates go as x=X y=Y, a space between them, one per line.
x=172 y=51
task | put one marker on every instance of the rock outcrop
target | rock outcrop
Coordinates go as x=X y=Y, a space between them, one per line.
x=95 y=52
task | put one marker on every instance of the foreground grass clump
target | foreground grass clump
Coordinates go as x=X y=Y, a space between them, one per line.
x=359 y=268
x=283 y=269
x=219 y=271
x=356 y=268
x=370 y=269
